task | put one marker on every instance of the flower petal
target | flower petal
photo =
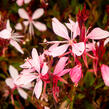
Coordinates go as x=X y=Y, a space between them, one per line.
x=60 y=65
x=5 y=34
x=53 y=46
x=38 y=13
x=76 y=30
x=18 y=26
x=38 y=88
x=23 y=14
x=27 y=64
x=97 y=34
x=90 y=47
x=78 y=48
x=25 y=79
x=27 y=86
x=44 y=69
x=16 y=45
x=70 y=25
x=76 y=74
x=13 y=72
x=74 y=27
x=59 y=28
x=29 y=70
x=36 y=60
x=105 y=74
x=40 y=26
x=65 y=71
x=59 y=50
x=8 y=27
x=10 y=83
x=22 y=93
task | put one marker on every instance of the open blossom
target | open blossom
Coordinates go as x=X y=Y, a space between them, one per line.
x=61 y=30
x=20 y=2
x=13 y=38
x=105 y=74
x=33 y=71
x=31 y=20
x=11 y=82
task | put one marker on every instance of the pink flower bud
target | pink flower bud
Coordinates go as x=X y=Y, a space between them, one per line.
x=76 y=74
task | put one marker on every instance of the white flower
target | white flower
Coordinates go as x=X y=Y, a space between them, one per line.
x=12 y=37
x=11 y=82
x=31 y=20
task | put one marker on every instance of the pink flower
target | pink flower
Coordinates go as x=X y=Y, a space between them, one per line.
x=31 y=20
x=76 y=74
x=61 y=30
x=11 y=82
x=105 y=74
x=12 y=37
x=33 y=71
x=20 y=2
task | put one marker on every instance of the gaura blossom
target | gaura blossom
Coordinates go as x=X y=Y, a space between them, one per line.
x=58 y=72
x=61 y=30
x=76 y=74
x=20 y=2
x=13 y=38
x=11 y=82
x=105 y=74
x=31 y=20
x=33 y=71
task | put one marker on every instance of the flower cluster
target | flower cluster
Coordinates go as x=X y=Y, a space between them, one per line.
x=38 y=69
x=62 y=58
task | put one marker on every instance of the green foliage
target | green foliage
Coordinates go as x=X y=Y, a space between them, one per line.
x=89 y=79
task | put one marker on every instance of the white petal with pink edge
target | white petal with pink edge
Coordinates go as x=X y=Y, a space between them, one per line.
x=13 y=72
x=97 y=34
x=16 y=45
x=10 y=83
x=38 y=13
x=78 y=48
x=59 y=29
x=23 y=14
x=40 y=26
x=60 y=65
x=59 y=50
x=36 y=60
